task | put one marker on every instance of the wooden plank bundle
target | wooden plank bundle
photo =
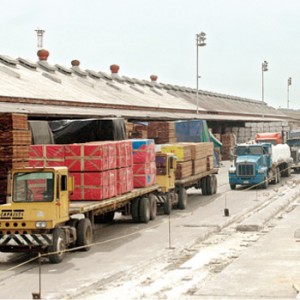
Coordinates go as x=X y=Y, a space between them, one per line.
x=162 y=132
x=228 y=141
x=15 y=139
x=184 y=169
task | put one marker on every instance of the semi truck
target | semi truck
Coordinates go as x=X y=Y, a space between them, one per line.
x=293 y=141
x=39 y=216
x=259 y=164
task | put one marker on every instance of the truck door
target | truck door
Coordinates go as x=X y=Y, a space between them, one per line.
x=63 y=196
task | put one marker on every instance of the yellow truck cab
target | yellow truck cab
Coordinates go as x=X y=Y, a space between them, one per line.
x=36 y=217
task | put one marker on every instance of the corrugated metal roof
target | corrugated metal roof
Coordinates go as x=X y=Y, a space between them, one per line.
x=21 y=78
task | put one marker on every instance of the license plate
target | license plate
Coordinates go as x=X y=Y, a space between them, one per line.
x=246 y=181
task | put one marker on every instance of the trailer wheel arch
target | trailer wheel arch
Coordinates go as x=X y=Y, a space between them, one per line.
x=59 y=244
x=84 y=234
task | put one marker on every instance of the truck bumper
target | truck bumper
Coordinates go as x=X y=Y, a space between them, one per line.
x=13 y=242
x=233 y=179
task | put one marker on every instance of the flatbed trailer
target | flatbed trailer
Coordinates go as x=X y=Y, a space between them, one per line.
x=107 y=207
x=206 y=181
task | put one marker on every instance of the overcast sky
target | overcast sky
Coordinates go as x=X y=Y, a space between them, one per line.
x=159 y=37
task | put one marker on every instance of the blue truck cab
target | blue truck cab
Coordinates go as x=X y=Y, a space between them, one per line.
x=252 y=165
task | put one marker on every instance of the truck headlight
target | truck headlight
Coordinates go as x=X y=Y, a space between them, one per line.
x=41 y=224
x=232 y=170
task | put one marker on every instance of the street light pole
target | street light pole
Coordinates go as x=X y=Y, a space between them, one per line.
x=288 y=91
x=264 y=68
x=200 y=42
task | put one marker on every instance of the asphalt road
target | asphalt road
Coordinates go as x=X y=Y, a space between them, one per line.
x=124 y=251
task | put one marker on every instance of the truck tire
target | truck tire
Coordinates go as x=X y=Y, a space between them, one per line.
x=58 y=247
x=215 y=183
x=278 y=175
x=135 y=206
x=153 y=206
x=84 y=234
x=232 y=186
x=182 y=198
x=265 y=183
x=209 y=187
x=144 y=210
x=204 y=186
x=168 y=203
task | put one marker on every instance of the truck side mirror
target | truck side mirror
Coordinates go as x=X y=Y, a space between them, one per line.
x=70 y=185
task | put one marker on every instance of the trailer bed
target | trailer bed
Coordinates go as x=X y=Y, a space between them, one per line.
x=195 y=178
x=102 y=206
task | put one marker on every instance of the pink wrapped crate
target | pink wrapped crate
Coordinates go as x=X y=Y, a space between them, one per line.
x=46 y=155
x=144 y=180
x=143 y=150
x=87 y=157
x=112 y=183
x=88 y=185
x=129 y=176
x=121 y=181
x=146 y=168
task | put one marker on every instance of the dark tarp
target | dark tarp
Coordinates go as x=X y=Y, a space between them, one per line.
x=40 y=133
x=88 y=130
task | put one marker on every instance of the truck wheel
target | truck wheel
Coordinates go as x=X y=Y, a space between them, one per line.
x=215 y=183
x=84 y=234
x=58 y=247
x=209 y=187
x=265 y=183
x=144 y=210
x=232 y=186
x=182 y=198
x=135 y=204
x=153 y=206
x=168 y=203
x=278 y=175
x=204 y=186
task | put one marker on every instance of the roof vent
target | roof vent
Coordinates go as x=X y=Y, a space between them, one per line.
x=114 y=69
x=27 y=63
x=51 y=77
x=63 y=70
x=46 y=67
x=10 y=72
x=43 y=54
x=153 y=78
x=75 y=67
x=128 y=79
x=93 y=74
x=8 y=61
x=105 y=76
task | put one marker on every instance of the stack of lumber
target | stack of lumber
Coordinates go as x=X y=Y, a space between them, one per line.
x=192 y=158
x=183 y=153
x=162 y=132
x=139 y=131
x=15 y=139
x=228 y=141
x=129 y=129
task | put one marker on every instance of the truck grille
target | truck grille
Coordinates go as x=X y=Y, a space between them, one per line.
x=246 y=170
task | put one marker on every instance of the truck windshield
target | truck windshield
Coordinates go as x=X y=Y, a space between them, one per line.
x=249 y=150
x=33 y=186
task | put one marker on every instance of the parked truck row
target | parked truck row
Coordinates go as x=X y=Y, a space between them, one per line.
x=40 y=217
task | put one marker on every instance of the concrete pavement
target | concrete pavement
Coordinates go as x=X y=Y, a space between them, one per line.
x=269 y=269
